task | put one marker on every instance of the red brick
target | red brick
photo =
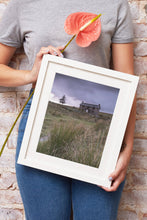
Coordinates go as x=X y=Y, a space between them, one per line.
x=140 y=66
x=25 y=88
x=21 y=99
x=142 y=89
x=12 y=142
x=140 y=49
x=10 y=197
x=8 y=102
x=141 y=126
x=7 y=180
x=11 y=214
x=143 y=12
x=6 y=121
x=136 y=180
x=127 y=215
x=140 y=30
x=134 y=199
x=7 y=160
x=141 y=107
x=2 y=139
x=140 y=145
x=7 y=89
x=15 y=89
x=138 y=162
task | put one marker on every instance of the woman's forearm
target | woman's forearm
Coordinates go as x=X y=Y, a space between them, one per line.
x=10 y=77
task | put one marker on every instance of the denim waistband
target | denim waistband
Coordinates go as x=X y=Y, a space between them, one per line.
x=31 y=90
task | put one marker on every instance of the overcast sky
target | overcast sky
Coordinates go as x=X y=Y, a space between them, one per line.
x=77 y=90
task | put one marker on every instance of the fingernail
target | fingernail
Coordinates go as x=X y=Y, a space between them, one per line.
x=110 y=178
x=55 y=53
x=61 y=55
x=47 y=51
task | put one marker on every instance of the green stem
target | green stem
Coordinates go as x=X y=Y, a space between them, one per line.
x=15 y=123
x=68 y=43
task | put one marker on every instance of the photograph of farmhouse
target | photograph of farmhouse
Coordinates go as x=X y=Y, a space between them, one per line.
x=77 y=120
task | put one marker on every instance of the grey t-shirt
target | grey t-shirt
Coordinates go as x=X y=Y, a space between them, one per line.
x=39 y=23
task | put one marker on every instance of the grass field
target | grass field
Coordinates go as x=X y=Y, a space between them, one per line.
x=71 y=134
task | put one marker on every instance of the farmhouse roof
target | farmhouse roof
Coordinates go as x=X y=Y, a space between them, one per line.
x=90 y=105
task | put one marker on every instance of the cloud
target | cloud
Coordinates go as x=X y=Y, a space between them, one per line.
x=78 y=90
x=69 y=100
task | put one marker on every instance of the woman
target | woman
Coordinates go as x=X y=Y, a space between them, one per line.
x=36 y=25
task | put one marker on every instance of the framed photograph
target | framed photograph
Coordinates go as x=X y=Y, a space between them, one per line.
x=77 y=119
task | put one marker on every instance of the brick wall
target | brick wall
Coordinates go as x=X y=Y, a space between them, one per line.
x=134 y=198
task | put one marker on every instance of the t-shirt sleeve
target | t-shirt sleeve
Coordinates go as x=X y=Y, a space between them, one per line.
x=124 y=27
x=10 y=34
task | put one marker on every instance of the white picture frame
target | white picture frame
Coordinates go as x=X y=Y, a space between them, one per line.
x=124 y=87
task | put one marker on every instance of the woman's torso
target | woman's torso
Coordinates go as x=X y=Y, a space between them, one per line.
x=42 y=24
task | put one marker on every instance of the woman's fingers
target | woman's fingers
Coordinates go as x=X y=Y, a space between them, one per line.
x=119 y=173
x=121 y=168
x=113 y=176
x=55 y=51
x=61 y=48
x=115 y=183
x=42 y=52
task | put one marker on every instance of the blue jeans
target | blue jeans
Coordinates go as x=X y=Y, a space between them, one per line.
x=47 y=196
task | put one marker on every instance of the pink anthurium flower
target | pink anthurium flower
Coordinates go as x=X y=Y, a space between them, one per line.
x=86 y=26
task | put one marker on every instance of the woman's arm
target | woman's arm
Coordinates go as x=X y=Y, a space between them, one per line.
x=122 y=55
x=10 y=77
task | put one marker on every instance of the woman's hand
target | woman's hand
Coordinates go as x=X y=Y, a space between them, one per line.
x=119 y=174
x=56 y=51
x=123 y=161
